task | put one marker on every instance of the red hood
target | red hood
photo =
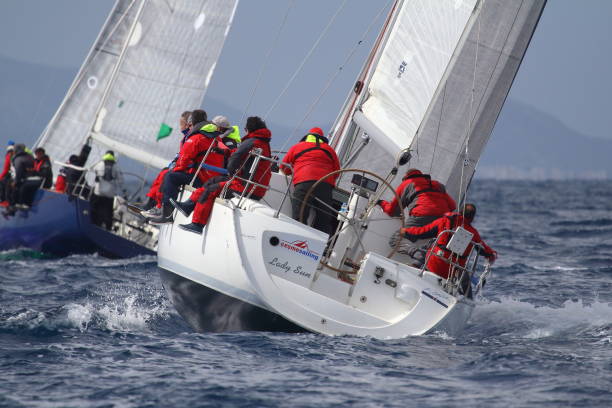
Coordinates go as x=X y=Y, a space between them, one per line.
x=411 y=173
x=261 y=133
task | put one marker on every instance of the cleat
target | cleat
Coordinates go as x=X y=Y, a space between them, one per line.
x=185 y=207
x=193 y=227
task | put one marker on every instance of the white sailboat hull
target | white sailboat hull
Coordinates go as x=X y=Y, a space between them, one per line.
x=252 y=271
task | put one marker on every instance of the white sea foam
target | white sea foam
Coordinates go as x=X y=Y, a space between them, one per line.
x=79 y=316
x=126 y=316
x=544 y=321
x=559 y=268
x=119 y=314
x=28 y=318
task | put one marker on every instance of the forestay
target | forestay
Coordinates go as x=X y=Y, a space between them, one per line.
x=439 y=87
x=152 y=60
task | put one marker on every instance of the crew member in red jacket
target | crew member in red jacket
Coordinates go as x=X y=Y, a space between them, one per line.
x=240 y=162
x=203 y=136
x=311 y=159
x=424 y=198
x=43 y=167
x=155 y=195
x=5 y=176
x=440 y=264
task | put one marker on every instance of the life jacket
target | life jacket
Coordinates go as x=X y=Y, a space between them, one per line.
x=259 y=138
x=312 y=159
x=196 y=147
x=231 y=138
x=453 y=221
x=42 y=168
x=310 y=138
x=419 y=188
x=441 y=264
x=422 y=196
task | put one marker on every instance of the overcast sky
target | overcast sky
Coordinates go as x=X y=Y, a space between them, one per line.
x=566 y=71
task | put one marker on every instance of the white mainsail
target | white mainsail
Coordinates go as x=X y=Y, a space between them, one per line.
x=152 y=60
x=411 y=66
x=438 y=88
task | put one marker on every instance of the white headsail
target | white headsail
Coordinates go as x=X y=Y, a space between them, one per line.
x=439 y=87
x=152 y=60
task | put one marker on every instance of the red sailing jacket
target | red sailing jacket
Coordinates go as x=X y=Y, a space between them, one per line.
x=259 y=138
x=450 y=221
x=421 y=196
x=43 y=168
x=60 y=183
x=194 y=149
x=7 y=164
x=311 y=161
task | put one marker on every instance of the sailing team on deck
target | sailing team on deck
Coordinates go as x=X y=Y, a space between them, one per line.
x=215 y=160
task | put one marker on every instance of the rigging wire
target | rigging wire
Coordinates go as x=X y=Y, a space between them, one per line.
x=265 y=63
x=306 y=58
x=433 y=154
x=333 y=78
x=466 y=160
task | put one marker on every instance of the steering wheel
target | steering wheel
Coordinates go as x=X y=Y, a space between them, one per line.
x=362 y=218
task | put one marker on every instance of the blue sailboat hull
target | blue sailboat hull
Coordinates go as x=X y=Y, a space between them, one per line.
x=60 y=225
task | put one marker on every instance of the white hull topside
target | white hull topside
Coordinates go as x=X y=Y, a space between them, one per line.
x=271 y=262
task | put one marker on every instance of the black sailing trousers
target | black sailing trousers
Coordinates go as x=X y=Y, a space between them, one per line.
x=324 y=215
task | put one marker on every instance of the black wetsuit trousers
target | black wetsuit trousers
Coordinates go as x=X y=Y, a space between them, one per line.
x=4 y=188
x=24 y=192
x=172 y=184
x=102 y=211
x=324 y=215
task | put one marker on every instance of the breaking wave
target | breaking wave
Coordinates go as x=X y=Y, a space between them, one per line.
x=517 y=318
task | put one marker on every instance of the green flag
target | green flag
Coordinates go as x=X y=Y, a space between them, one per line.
x=164 y=131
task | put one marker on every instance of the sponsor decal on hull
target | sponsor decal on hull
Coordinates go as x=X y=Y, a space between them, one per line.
x=300 y=247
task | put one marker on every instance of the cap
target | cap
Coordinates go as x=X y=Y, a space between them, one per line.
x=222 y=122
x=316 y=131
x=109 y=156
x=11 y=143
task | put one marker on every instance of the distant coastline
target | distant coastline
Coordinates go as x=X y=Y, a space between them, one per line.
x=538 y=174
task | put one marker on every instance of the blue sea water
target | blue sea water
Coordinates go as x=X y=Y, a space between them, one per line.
x=85 y=331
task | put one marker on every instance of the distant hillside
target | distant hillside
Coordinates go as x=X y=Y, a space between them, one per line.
x=528 y=143
x=30 y=96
